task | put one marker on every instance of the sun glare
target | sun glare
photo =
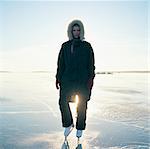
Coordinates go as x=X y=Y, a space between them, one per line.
x=76 y=100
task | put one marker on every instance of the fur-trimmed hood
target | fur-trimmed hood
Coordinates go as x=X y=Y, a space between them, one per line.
x=69 y=31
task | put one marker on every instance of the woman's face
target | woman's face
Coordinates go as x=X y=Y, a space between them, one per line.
x=76 y=32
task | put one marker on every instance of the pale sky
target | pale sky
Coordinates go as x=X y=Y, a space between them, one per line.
x=32 y=33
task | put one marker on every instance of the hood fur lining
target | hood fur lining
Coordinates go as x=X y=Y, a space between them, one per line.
x=69 y=31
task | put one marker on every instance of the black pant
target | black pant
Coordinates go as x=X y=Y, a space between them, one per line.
x=66 y=114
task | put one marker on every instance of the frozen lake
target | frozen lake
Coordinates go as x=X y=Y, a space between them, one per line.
x=117 y=116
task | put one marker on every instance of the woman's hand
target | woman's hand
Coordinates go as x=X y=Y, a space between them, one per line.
x=57 y=84
x=90 y=84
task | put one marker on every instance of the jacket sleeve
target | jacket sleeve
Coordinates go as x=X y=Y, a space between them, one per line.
x=91 y=63
x=60 y=64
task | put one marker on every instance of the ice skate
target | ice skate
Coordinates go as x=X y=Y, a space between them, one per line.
x=68 y=130
x=79 y=133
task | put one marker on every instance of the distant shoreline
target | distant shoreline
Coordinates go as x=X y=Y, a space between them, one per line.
x=111 y=72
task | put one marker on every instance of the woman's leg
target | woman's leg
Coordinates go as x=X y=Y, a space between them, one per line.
x=66 y=114
x=81 y=114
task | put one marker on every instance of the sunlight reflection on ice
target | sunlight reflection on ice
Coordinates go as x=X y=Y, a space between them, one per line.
x=117 y=115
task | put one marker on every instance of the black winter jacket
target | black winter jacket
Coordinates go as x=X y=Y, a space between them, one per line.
x=78 y=65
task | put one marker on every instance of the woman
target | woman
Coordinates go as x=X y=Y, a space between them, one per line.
x=75 y=75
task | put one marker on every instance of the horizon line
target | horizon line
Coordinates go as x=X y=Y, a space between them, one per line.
x=97 y=72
